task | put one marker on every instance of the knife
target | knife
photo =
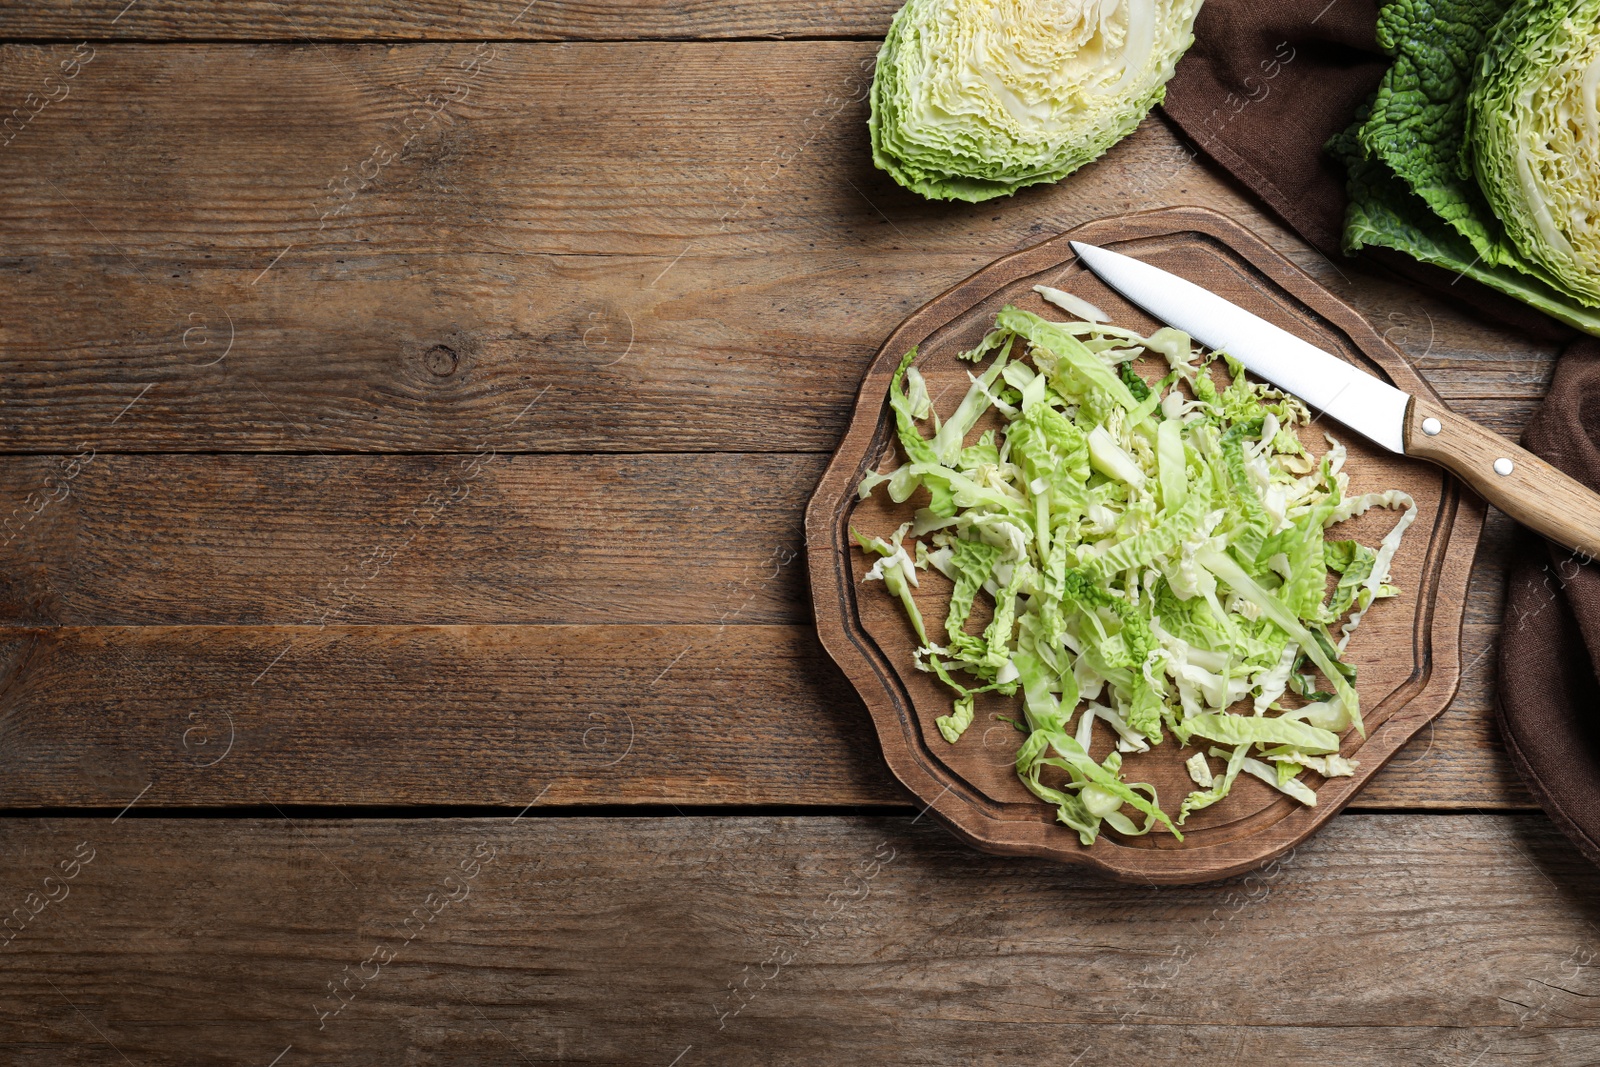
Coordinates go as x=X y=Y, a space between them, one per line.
x=1511 y=478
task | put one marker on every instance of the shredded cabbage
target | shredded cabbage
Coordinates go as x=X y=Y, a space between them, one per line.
x=1152 y=557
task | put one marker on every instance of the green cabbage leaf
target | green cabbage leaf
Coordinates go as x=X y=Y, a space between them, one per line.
x=1480 y=152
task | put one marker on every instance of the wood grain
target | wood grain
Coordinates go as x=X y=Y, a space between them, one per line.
x=1464 y=742
x=476 y=715
x=447 y=353
x=523 y=160
x=787 y=940
x=1456 y=763
x=603 y=148
x=365 y=20
x=743 y=271
x=771 y=311
x=394 y=715
x=295 y=540
x=712 y=201
x=1516 y=481
x=118 y=550
x=444 y=353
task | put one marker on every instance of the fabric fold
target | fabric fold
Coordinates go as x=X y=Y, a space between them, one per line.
x=1549 y=706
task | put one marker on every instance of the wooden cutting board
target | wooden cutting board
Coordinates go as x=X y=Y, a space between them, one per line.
x=1407 y=649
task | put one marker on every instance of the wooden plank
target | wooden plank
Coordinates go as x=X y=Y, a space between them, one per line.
x=119 y=550
x=241 y=540
x=624 y=257
x=739 y=940
x=390 y=715
x=512 y=165
x=296 y=540
x=446 y=353
x=740 y=148
x=366 y=20
x=283 y=540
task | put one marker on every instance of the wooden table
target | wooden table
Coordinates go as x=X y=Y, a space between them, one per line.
x=409 y=413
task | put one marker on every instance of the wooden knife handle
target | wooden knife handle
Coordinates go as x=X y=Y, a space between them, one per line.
x=1511 y=478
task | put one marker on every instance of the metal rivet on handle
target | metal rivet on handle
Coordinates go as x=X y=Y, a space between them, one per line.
x=1502 y=466
x=1431 y=427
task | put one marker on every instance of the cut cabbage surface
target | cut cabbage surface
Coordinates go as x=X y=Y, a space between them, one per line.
x=1534 y=135
x=974 y=99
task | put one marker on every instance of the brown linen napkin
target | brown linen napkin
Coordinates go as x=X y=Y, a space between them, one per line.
x=1260 y=92
x=1263 y=88
x=1550 y=644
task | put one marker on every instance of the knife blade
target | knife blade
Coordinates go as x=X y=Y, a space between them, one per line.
x=1509 y=477
x=1339 y=389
